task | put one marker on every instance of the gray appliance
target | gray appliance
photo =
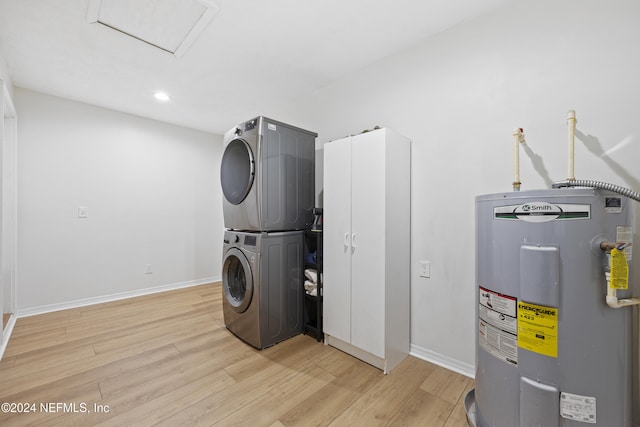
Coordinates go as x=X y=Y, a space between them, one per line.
x=549 y=350
x=268 y=176
x=262 y=289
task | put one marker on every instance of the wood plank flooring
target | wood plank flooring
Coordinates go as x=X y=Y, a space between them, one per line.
x=167 y=360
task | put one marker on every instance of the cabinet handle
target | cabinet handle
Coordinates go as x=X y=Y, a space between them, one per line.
x=353 y=240
x=346 y=239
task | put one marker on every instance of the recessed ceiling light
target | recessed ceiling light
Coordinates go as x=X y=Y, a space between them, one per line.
x=161 y=96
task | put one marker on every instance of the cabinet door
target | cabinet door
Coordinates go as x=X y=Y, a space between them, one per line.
x=337 y=239
x=368 y=241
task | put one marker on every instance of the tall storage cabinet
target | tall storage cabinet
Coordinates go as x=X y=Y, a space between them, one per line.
x=367 y=184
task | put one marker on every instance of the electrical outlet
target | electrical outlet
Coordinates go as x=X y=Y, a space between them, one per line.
x=424 y=268
x=147 y=269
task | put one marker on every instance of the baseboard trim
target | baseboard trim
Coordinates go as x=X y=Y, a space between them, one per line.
x=6 y=334
x=444 y=361
x=112 y=297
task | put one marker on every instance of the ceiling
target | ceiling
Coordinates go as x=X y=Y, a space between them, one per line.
x=221 y=61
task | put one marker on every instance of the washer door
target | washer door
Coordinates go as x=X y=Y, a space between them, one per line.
x=237 y=171
x=237 y=280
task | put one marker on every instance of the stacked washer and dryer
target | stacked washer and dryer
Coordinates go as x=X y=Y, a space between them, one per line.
x=268 y=182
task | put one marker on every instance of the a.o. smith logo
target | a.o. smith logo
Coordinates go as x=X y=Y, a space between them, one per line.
x=542 y=212
x=537 y=212
x=542 y=208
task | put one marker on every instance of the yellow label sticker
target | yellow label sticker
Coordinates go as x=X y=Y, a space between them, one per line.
x=538 y=328
x=619 y=270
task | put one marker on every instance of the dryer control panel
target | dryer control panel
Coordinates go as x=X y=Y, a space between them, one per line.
x=250 y=240
x=250 y=124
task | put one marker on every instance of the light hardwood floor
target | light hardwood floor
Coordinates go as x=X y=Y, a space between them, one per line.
x=166 y=359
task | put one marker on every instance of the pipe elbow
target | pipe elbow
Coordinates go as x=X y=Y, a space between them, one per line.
x=613 y=302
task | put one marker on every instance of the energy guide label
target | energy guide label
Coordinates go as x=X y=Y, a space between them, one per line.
x=498 y=325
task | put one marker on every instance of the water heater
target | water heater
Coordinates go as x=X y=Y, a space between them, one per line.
x=550 y=351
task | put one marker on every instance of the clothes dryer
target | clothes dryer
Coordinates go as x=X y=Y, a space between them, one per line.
x=262 y=286
x=268 y=176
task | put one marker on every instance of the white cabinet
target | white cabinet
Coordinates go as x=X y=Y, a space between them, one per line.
x=366 y=229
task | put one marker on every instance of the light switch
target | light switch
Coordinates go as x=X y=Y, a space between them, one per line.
x=83 y=212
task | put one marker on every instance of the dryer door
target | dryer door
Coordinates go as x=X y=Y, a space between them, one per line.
x=237 y=171
x=237 y=280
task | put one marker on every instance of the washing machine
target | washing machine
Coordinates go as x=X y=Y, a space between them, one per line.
x=262 y=285
x=268 y=176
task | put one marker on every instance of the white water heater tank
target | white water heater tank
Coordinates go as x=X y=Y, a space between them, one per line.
x=550 y=352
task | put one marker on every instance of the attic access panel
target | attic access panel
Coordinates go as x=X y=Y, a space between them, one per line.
x=170 y=25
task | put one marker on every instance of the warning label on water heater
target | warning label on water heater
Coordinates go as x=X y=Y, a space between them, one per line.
x=498 y=326
x=538 y=328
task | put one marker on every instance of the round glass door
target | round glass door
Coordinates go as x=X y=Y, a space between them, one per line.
x=237 y=171
x=237 y=280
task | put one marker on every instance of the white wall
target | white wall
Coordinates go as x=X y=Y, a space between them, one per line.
x=8 y=205
x=153 y=197
x=5 y=75
x=458 y=97
x=8 y=211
